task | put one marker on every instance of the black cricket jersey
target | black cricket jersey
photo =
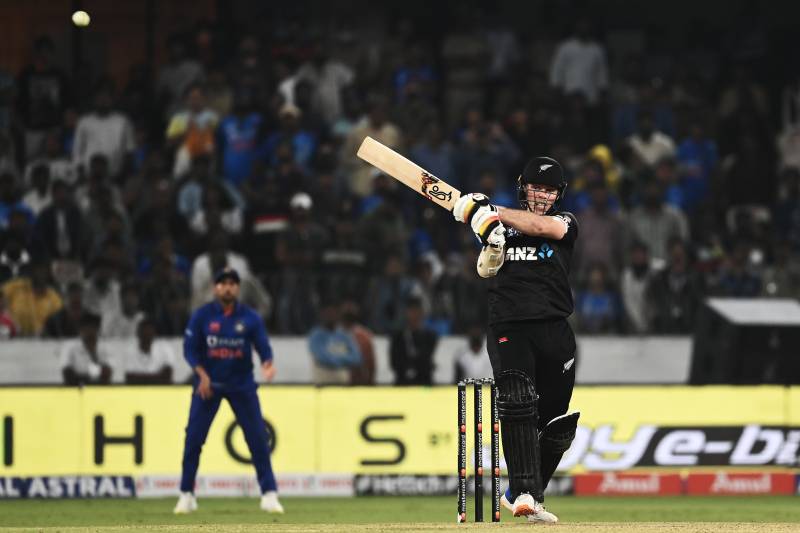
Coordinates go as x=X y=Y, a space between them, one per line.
x=533 y=283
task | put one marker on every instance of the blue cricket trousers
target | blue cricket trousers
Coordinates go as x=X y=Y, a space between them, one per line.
x=248 y=414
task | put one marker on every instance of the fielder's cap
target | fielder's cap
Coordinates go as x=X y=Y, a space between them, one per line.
x=227 y=273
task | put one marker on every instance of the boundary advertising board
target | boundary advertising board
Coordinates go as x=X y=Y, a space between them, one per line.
x=385 y=431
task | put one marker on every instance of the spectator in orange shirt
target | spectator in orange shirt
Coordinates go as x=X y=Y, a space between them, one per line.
x=192 y=130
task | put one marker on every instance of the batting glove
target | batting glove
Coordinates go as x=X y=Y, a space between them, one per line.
x=488 y=229
x=466 y=206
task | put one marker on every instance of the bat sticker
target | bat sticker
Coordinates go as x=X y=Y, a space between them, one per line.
x=434 y=192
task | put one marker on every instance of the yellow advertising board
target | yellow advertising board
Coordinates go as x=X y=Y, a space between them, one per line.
x=793 y=405
x=140 y=430
x=385 y=430
x=398 y=430
x=41 y=431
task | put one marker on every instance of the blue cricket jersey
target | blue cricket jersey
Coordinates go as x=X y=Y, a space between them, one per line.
x=222 y=344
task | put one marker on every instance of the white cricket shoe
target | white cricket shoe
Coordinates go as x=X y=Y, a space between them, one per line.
x=524 y=505
x=270 y=503
x=186 y=503
x=540 y=514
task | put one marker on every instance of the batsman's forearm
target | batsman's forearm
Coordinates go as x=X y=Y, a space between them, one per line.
x=533 y=224
x=522 y=221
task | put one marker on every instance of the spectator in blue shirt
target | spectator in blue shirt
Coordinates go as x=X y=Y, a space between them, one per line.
x=10 y=201
x=697 y=158
x=414 y=70
x=598 y=308
x=302 y=142
x=238 y=139
x=334 y=350
x=666 y=173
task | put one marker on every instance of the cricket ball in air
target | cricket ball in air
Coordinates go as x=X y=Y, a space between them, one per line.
x=81 y=18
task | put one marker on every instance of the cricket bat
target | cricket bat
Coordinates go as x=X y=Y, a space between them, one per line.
x=409 y=173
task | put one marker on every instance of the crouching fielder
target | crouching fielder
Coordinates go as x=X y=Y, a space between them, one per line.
x=527 y=255
x=217 y=345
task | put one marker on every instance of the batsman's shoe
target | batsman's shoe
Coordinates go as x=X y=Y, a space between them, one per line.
x=186 y=503
x=541 y=515
x=270 y=503
x=524 y=505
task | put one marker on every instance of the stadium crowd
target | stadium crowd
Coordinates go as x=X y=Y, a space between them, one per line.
x=119 y=199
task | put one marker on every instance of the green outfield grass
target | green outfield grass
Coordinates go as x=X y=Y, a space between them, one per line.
x=668 y=513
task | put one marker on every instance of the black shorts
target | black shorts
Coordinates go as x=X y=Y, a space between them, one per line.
x=545 y=350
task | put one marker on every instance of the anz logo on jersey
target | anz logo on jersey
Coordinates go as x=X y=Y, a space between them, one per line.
x=529 y=253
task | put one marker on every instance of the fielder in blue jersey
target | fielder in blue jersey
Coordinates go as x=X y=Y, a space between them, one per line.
x=217 y=345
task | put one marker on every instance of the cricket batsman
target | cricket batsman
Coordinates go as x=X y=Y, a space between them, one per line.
x=217 y=346
x=527 y=254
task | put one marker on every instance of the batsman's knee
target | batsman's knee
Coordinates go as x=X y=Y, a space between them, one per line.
x=517 y=397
